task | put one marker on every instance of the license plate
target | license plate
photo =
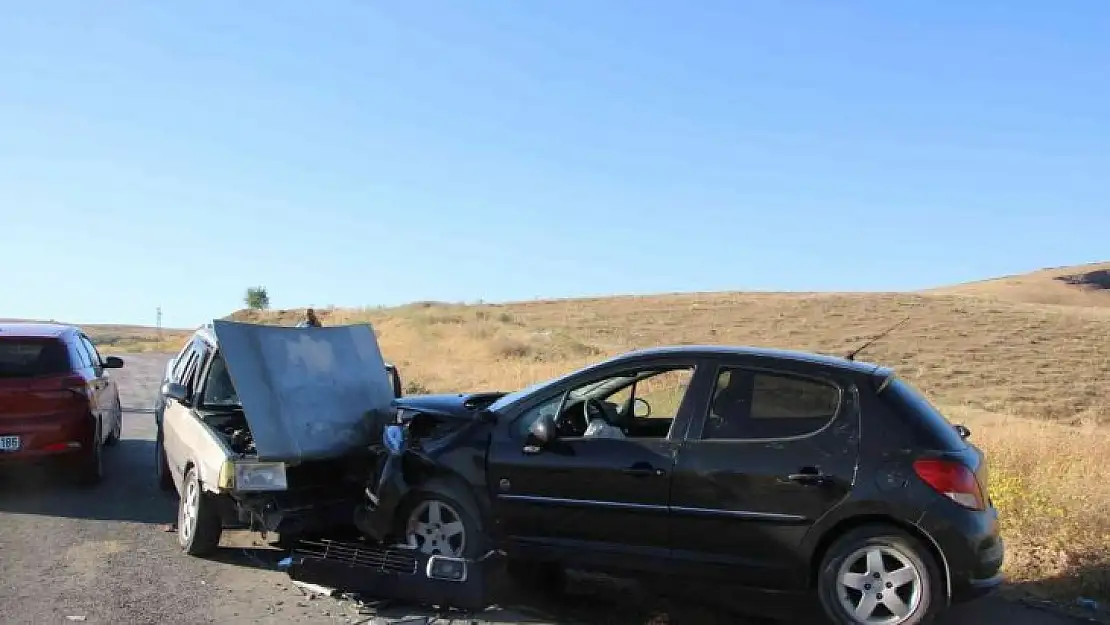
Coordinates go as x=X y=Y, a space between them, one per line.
x=9 y=443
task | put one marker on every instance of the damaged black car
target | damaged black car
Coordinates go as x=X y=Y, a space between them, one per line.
x=780 y=471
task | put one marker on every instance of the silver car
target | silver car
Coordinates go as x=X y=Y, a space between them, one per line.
x=268 y=427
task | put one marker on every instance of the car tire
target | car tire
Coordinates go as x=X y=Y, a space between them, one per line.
x=162 y=466
x=198 y=522
x=450 y=503
x=117 y=427
x=90 y=470
x=867 y=567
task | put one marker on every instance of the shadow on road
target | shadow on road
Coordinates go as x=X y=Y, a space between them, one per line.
x=127 y=493
x=1087 y=585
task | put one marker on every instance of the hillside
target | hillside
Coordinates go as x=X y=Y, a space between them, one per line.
x=1079 y=285
x=1002 y=357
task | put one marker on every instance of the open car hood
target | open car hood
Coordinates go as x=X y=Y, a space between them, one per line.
x=307 y=393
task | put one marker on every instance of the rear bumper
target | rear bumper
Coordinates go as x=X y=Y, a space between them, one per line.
x=33 y=457
x=49 y=436
x=971 y=546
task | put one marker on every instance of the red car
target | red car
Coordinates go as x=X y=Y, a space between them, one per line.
x=57 y=402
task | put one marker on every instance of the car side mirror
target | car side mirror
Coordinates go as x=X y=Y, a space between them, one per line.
x=175 y=391
x=962 y=431
x=542 y=432
x=113 y=362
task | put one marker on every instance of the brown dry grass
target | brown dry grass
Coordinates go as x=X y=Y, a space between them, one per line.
x=1033 y=381
x=1038 y=287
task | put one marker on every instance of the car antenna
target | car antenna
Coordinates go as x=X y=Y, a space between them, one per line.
x=856 y=351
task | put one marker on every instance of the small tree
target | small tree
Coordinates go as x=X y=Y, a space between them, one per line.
x=257 y=298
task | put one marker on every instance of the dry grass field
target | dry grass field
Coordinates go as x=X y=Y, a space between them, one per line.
x=1024 y=361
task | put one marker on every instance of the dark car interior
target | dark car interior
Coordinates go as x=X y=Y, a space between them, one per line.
x=614 y=400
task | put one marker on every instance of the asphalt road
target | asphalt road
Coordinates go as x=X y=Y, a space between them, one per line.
x=103 y=555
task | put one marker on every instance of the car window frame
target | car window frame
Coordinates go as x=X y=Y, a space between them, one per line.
x=77 y=347
x=695 y=434
x=204 y=372
x=193 y=367
x=181 y=360
x=679 y=427
x=90 y=349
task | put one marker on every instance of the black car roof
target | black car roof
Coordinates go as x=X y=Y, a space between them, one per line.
x=750 y=351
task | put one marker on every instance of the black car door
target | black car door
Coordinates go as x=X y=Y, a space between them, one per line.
x=774 y=447
x=597 y=501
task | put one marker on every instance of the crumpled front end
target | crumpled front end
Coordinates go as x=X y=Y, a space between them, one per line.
x=409 y=452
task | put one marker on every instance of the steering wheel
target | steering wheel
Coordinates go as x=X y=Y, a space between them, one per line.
x=592 y=409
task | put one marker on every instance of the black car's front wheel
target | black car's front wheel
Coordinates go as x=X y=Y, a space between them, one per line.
x=442 y=519
x=880 y=575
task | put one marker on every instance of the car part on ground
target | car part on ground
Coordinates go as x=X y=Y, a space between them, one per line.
x=397 y=573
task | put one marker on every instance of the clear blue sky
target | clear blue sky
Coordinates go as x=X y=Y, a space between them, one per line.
x=378 y=152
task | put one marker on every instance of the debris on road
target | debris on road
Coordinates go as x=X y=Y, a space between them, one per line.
x=314 y=590
x=78 y=618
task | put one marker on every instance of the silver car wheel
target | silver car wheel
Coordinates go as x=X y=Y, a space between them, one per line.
x=436 y=528
x=190 y=505
x=879 y=585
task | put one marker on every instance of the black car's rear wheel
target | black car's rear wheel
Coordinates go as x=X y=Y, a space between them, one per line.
x=880 y=575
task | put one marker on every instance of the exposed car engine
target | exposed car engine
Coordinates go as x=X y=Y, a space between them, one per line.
x=233 y=428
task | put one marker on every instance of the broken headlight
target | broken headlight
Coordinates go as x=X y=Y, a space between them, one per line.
x=253 y=476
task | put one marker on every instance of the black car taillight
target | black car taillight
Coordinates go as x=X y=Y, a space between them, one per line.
x=952 y=479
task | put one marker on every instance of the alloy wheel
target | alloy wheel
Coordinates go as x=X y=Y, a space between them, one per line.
x=190 y=503
x=436 y=528
x=879 y=585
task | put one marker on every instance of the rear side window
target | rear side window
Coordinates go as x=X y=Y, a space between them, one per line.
x=25 y=358
x=757 y=405
x=909 y=403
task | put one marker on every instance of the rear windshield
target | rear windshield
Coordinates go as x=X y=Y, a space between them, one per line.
x=25 y=358
x=923 y=416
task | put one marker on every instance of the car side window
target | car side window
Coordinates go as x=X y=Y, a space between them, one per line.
x=94 y=355
x=84 y=361
x=189 y=374
x=523 y=423
x=640 y=403
x=180 y=361
x=755 y=405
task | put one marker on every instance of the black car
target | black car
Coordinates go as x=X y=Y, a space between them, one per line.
x=779 y=470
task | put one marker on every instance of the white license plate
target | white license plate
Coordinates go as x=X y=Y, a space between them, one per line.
x=9 y=443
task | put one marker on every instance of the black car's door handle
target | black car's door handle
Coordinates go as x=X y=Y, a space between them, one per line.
x=645 y=469
x=810 y=476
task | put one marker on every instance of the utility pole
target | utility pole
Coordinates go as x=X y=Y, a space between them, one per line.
x=159 y=322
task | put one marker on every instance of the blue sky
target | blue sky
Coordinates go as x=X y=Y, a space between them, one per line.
x=378 y=152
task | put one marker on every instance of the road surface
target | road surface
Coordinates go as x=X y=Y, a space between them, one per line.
x=104 y=555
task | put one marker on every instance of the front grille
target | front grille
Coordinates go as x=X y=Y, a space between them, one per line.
x=384 y=559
